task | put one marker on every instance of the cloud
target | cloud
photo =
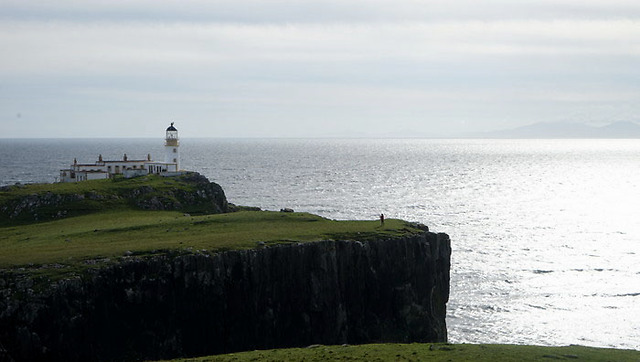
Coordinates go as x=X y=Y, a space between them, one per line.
x=62 y=47
x=310 y=11
x=416 y=62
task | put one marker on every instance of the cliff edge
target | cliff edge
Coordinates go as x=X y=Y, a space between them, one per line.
x=164 y=306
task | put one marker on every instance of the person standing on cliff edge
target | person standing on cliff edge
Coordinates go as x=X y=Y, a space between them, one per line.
x=381 y=219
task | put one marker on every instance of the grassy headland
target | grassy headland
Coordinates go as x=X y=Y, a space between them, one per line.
x=436 y=352
x=116 y=233
x=106 y=223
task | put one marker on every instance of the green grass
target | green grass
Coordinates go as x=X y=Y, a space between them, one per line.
x=103 y=224
x=431 y=352
x=96 y=196
x=116 y=233
x=107 y=186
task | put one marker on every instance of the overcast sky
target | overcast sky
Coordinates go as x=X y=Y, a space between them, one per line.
x=244 y=68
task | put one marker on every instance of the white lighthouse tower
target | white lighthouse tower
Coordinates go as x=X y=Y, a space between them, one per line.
x=172 y=147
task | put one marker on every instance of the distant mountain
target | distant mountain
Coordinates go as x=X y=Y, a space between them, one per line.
x=568 y=130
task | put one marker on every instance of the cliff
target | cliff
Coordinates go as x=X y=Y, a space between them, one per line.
x=163 y=306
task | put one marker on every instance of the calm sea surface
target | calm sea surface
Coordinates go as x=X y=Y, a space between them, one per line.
x=545 y=233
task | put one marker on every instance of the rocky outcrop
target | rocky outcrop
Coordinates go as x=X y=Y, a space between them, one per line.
x=202 y=195
x=190 y=192
x=330 y=292
x=39 y=206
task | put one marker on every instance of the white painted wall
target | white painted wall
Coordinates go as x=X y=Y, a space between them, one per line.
x=172 y=155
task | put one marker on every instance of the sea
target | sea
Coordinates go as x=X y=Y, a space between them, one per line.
x=545 y=233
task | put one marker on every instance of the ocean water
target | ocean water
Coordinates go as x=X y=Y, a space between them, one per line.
x=545 y=233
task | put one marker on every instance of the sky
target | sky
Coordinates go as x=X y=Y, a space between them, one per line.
x=307 y=68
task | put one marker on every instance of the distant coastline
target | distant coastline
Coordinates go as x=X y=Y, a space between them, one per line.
x=539 y=130
x=555 y=130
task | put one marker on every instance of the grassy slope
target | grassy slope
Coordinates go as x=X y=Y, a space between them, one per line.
x=100 y=195
x=114 y=233
x=431 y=352
x=109 y=186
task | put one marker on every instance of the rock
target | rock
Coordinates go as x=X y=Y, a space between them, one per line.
x=289 y=295
x=419 y=226
x=197 y=193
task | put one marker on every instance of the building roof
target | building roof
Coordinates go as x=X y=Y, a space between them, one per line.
x=160 y=163
x=123 y=161
x=83 y=171
x=172 y=128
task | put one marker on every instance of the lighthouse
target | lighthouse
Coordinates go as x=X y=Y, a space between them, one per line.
x=104 y=169
x=172 y=147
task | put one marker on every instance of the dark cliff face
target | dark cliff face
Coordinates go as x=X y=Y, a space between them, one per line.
x=283 y=296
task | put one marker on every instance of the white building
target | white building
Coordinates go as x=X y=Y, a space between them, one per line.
x=102 y=169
